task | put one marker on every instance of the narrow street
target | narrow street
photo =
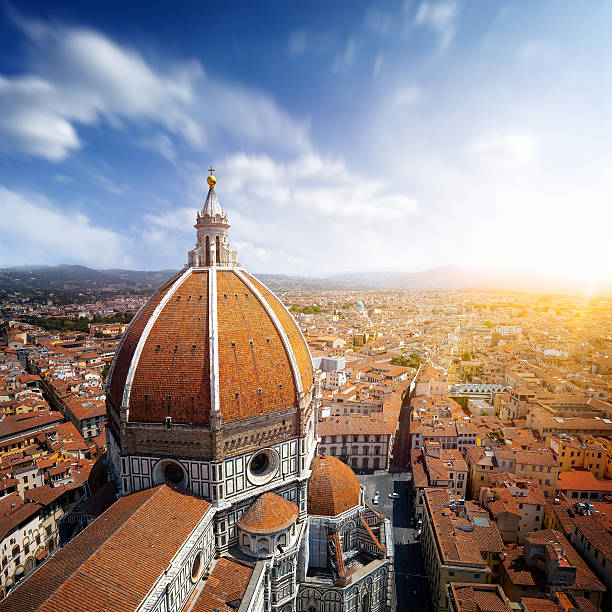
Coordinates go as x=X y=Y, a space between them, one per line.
x=411 y=585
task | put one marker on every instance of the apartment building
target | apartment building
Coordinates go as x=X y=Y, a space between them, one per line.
x=460 y=544
x=580 y=452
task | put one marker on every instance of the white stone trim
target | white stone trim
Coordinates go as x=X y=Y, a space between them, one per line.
x=112 y=365
x=213 y=340
x=285 y=339
x=145 y=334
x=294 y=321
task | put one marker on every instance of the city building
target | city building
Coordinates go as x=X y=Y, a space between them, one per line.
x=212 y=445
x=459 y=544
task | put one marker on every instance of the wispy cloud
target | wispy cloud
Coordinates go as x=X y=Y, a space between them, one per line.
x=62 y=178
x=159 y=143
x=317 y=186
x=409 y=96
x=538 y=51
x=440 y=17
x=344 y=60
x=302 y=42
x=78 y=76
x=42 y=232
x=504 y=149
x=378 y=64
x=378 y=21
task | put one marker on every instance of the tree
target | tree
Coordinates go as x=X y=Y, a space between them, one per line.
x=466 y=356
x=414 y=360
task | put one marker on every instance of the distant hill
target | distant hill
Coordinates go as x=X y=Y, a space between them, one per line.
x=456 y=277
x=77 y=277
x=445 y=278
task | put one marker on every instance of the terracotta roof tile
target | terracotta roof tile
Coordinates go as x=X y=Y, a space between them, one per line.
x=129 y=343
x=227 y=583
x=90 y=572
x=268 y=514
x=172 y=377
x=333 y=487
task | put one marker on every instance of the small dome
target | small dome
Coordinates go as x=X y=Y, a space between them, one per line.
x=270 y=513
x=333 y=487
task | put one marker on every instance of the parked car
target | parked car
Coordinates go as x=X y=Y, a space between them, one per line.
x=393 y=495
x=376 y=497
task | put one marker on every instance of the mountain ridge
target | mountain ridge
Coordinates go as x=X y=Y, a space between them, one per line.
x=450 y=277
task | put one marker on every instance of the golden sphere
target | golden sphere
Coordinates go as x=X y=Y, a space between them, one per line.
x=211 y=180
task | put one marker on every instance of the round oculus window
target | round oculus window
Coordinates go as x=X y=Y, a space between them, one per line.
x=169 y=471
x=263 y=466
x=196 y=567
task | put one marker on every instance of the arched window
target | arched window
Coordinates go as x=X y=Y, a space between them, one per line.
x=346 y=540
x=377 y=450
x=263 y=545
x=366 y=450
x=365 y=603
x=332 y=602
x=207 y=250
x=218 y=250
x=364 y=463
x=246 y=541
x=282 y=539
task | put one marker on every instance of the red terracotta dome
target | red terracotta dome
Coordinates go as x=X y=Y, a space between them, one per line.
x=270 y=513
x=210 y=339
x=333 y=487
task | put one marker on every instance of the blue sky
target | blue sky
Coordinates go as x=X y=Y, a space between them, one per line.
x=347 y=136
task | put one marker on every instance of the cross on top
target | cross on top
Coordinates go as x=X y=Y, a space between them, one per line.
x=211 y=169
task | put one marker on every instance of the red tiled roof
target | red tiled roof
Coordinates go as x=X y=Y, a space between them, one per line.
x=300 y=349
x=226 y=585
x=333 y=487
x=172 y=377
x=268 y=514
x=92 y=572
x=129 y=343
x=581 y=480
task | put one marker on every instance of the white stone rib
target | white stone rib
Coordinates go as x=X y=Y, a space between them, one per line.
x=213 y=339
x=112 y=365
x=294 y=367
x=145 y=334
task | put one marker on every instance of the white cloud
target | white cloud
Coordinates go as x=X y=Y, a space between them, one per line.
x=378 y=64
x=538 y=52
x=409 y=96
x=63 y=178
x=504 y=149
x=159 y=143
x=314 y=186
x=79 y=76
x=440 y=17
x=379 y=22
x=344 y=60
x=315 y=42
x=36 y=232
x=298 y=42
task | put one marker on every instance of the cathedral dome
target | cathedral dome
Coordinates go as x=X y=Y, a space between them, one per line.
x=213 y=344
x=269 y=514
x=210 y=340
x=333 y=487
